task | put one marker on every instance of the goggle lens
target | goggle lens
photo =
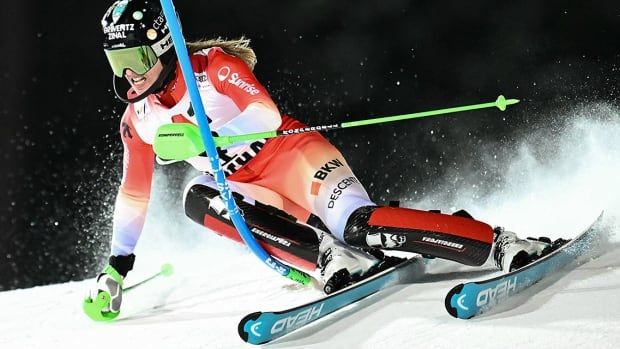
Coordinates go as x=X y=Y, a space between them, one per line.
x=139 y=59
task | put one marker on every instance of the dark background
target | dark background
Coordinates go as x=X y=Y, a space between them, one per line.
x=323 y=61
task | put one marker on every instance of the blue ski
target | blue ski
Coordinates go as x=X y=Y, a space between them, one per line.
x=263 y=327
x=470 y=299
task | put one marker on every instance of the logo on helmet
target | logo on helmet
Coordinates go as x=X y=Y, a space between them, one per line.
x=159 y=21
x=151 y=34
x=162 y=45
x=118 y=10
x=118 y=31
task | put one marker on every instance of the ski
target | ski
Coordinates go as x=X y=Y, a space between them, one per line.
x=471 y=299
x=263 y=327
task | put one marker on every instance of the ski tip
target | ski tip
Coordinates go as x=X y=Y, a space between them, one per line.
x=243 y=333
x=448 y=301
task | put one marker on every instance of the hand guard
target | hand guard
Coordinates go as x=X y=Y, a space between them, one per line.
x=109 y=281
x=104 y=300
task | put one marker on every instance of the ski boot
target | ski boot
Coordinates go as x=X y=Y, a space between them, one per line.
x=512 y=253
x=342 y=265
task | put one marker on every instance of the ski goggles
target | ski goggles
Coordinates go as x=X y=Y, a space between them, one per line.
x=139 y=59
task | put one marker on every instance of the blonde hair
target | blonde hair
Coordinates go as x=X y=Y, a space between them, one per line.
x=238 y=47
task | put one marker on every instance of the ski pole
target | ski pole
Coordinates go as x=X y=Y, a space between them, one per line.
x=226 y=141
x=93 y=307
x=209 y=145
x=165 y=270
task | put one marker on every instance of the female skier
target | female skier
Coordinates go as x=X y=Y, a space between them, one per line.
x=298 y=194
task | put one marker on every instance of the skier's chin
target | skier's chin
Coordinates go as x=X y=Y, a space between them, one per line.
x=140 y=87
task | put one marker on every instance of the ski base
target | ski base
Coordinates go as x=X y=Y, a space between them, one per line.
x=470 y=299
x=264 y=327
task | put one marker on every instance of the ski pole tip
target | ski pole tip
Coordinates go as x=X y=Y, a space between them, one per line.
x=299 y=276
x=501 y=103
x=166 y=269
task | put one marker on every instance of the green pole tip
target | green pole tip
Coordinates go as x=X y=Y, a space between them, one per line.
x=299 y=276
x=500 y=103
x=166 y=269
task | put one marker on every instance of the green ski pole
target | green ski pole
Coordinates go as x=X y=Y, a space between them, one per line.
x=165 y=270
x=225 y=141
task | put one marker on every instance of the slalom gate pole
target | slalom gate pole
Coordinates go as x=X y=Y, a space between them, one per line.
x=226 y=141
x=210 y=147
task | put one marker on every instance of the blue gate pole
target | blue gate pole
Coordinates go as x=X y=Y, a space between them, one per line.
x=205 y=131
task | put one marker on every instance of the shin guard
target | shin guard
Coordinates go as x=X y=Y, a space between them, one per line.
x=278 y=233
x=458 y=238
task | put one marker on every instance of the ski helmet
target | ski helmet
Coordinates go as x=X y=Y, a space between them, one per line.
x=136 y=36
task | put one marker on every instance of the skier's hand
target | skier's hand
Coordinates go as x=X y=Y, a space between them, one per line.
x=109 y=281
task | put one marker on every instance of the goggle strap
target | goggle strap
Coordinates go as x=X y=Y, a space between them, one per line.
x=162 y=45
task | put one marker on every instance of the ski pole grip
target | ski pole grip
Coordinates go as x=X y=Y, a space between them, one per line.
x=299 y=276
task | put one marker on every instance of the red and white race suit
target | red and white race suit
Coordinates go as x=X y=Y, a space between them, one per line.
x=300 y=174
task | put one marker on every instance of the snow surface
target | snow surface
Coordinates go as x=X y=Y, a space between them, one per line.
x=201 y=304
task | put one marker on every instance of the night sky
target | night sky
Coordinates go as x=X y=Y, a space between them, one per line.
x=323 y=61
